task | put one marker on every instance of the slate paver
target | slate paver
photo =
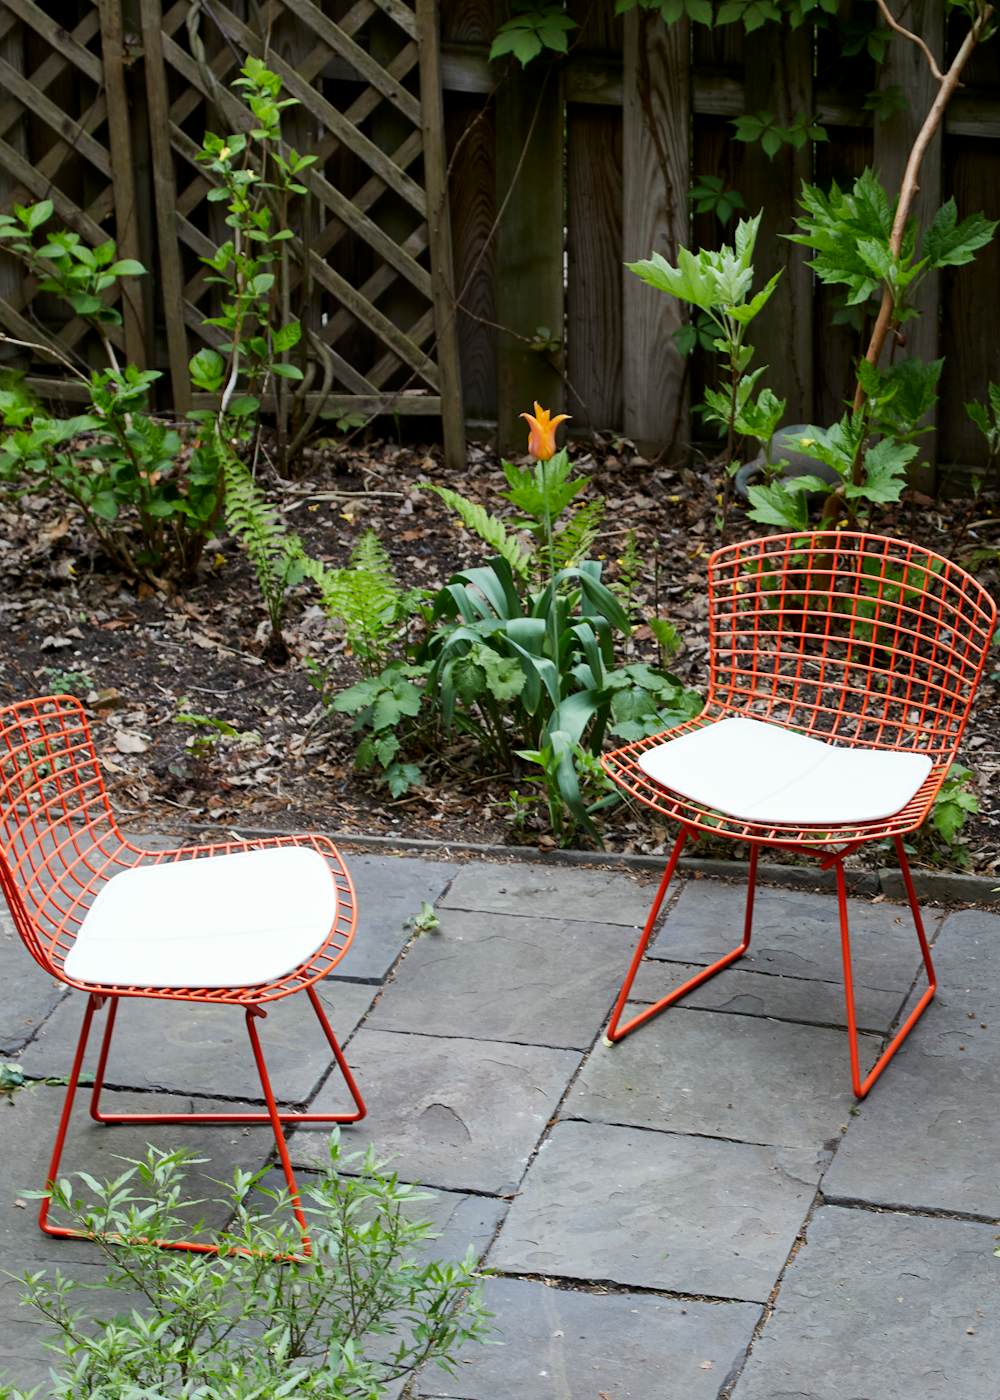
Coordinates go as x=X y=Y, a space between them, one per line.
x=551 y=892
x=882 y=1307
x=30 y=995
x=795 y=933
x=186 y=1048
x=390 y=890
x=496 y=977
x=749 y=992
x=929 y=1134
x=658 y=1210
x=459 y=1114
x=557 y=1343
x=28 y=1128
x=734 y=1077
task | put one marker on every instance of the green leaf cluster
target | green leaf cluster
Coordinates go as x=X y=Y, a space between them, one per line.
x=709 y=195
x=849 y=231
x=530 y=30
x=763 y=127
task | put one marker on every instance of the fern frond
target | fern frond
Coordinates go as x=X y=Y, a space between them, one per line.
x=489 y=528
x=275 y=553
x=365 y=599
x=573 y=543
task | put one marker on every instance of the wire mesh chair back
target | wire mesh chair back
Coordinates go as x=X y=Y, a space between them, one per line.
x=849 y=636
x=57 y=830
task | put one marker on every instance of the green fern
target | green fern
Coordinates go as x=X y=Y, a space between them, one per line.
x=572 y=544
x=276 y=554
x=489 y=528
x=367 y=601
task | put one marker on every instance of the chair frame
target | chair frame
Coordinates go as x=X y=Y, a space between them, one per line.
x=59 y=844
x=808 y=631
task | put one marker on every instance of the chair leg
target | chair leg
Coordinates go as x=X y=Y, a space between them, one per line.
x=63 y=1231
x=275 y=1118
x=112 y=1118
x=616 y=1032
x=861 y=1086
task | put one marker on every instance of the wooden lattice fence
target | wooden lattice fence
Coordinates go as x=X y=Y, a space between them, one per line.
x=556 y=176
x=369 y=268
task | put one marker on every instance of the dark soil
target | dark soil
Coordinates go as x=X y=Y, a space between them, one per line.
x=139 y=656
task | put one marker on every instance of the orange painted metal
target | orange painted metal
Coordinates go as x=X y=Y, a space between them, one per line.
x=60 y=843
x=858 y=639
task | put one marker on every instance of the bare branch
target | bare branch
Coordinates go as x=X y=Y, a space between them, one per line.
x=893 y=23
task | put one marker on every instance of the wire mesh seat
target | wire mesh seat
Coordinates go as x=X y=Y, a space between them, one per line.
x=69 y=877
x=868 y=644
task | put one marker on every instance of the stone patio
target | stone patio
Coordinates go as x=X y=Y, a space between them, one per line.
x=699 y=1212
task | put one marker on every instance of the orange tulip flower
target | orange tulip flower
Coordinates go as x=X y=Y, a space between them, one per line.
x=542 y=437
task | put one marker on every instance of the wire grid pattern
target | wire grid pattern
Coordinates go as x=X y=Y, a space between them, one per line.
x=60 y=843
x=858 y=639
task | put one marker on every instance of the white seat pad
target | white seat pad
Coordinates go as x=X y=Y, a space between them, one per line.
x=764 y=773
x=235 y=920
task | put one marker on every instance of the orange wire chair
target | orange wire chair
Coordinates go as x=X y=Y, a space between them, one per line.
x=857 y=640
x=60 y=846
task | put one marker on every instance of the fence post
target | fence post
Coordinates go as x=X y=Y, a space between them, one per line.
x=656 y=170
x=530 y=198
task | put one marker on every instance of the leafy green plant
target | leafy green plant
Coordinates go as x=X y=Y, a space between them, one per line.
x=278 y=558
x=852 y=234
x=718 y=285
x=256 y=177
x=941 y=835
x=60 y=682
x=709 y=195
x=522 y=656
x=381 y=705
x=360 y=1317
x=211 y=732
x=764 y=127
x=986 y=417
x=376 y=613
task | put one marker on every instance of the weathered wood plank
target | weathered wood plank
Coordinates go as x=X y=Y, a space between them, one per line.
x=529 y=261
x=439 y=230
x=656 y=133
x=969 y=340
x=779 y=80
x=594 y=340
x=75 y=137
x=57 y=36
x=471 y=132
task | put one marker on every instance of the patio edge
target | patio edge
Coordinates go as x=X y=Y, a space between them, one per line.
x=932 y=886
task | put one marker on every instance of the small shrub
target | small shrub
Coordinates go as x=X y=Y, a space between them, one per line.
x=361 y=1315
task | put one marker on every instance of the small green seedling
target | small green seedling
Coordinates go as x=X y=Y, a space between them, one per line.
x=426 y=921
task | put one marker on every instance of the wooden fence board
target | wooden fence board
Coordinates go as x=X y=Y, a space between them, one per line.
x=779 y=81
x=655 y=133
x=529 y=260
x=369 y=266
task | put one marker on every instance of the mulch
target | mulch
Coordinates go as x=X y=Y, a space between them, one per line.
x=140 y=656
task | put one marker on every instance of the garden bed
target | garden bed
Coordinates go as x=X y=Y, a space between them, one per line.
x=142 y=657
